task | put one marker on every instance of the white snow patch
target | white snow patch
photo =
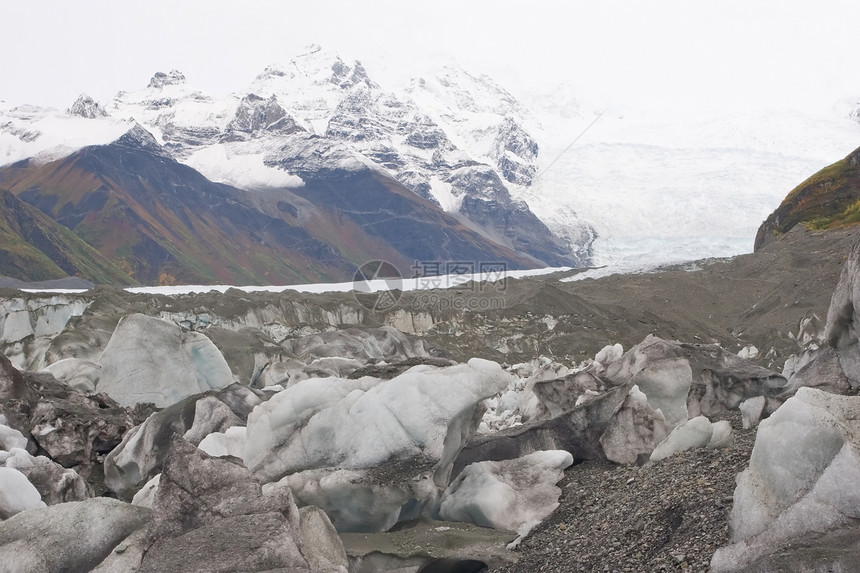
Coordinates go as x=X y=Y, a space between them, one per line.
x=441 y=191
x=17 y=493
x=224 y=163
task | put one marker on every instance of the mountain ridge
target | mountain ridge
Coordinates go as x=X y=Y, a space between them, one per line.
x=241 y=139
x=829 y=198
x=163 y=222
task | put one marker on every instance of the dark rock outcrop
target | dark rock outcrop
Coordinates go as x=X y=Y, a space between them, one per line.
x=211 y=512
x=72 y=428
x=87 y=107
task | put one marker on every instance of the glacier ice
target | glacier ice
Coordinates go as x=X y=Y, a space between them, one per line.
x=16 y=493
x=698 y=432
x=801 y=480
x=371 y=451
x=512 y=494
x=151 y=360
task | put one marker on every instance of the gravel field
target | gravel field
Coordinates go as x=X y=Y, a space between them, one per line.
x=668 y=516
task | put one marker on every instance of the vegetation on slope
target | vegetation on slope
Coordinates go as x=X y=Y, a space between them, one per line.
x=33 y=247
x=829 y=199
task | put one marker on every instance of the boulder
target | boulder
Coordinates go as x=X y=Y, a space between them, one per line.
x=74 y=536
x=514 y=495
x=801 y=480
x=145 y=496
x=247 y=543
x=78 y=429
x=82 y=375
x=634 y=430
x=11 y=438
x=71 y=428
x=149 y=360
x=606 y=356
x=228 y=443
x=559 y=395
x=752 y=410
x=212 y=513
x=126 y=556
x=321 y=545
x=822 y=370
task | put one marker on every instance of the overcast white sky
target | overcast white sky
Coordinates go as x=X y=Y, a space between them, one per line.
x=659 y=53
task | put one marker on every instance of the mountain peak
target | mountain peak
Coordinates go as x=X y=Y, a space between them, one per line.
x=87 y=107
x=173 y=78
x=139 y=138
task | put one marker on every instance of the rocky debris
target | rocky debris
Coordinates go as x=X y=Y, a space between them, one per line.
x=513 y=494
x=686 y=380
x=668 y=516
x=149 y=360
x=371 y=452
x=387 y=371
x=413 y=545
x=144 y=449
x=384 y=343
x=801 y=479
x=821 y=369
x=74 y=536
x=73 y=429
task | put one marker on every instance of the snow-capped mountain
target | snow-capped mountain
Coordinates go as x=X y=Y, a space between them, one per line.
x=544 y=175
x=455 y=140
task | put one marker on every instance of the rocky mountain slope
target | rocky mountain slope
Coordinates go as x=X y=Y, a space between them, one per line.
x=828 y=199
x=321 y=141
x=36 y=248
x=164 y=222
